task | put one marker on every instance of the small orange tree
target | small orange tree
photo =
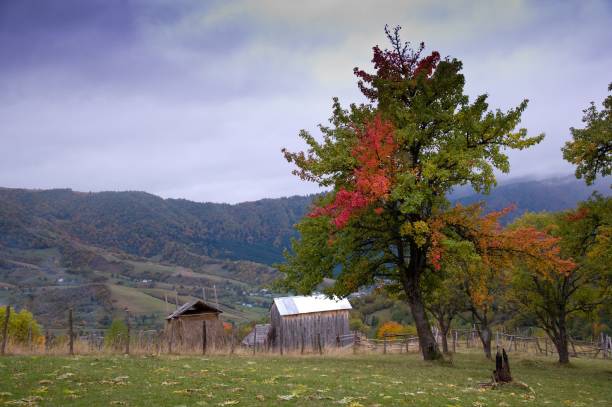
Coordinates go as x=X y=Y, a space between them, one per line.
x=394 y=328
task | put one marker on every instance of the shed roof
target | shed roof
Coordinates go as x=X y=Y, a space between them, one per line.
x=315 y=303
x=194 y=307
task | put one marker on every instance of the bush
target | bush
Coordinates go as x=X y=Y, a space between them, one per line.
x=356 y=324
x=21 y=325
x=116 y=335
x=393 y=328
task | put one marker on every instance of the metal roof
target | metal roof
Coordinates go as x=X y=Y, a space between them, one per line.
x=315 y=303
x=193 y=305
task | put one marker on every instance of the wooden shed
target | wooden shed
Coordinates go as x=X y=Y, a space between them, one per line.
x=186 y=326
x=260 y=335
x=309 y=322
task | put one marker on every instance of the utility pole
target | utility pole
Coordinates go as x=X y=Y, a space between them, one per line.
x=216 y=299
x=203 y=295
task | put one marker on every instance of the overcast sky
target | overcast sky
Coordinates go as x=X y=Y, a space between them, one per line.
x=195 y=99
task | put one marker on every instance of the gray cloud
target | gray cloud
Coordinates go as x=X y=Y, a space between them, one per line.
x=195 y=99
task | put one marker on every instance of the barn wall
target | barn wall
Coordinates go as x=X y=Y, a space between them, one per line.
x=185 y=332
x=293 y=330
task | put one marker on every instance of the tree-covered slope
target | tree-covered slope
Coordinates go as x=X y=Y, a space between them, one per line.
x=145 y=225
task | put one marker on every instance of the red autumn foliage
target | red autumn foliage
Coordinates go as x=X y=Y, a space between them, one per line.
x=397 y=64
x=375 y=156
x=577 y=215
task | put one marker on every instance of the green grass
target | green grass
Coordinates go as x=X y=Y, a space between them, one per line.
x=375 y=380
x=135 y=300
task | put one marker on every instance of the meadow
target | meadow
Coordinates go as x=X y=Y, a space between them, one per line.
x=350 y=380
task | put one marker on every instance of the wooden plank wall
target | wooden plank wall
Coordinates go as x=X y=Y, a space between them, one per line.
x=186 y=333
x=295 y=330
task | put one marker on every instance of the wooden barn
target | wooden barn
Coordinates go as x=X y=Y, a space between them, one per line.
x=186 y=326
x=311 y=323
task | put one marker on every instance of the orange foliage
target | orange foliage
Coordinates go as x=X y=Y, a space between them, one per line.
x=498 y=247
x=393 y=328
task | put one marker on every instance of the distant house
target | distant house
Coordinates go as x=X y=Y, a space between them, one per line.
x=260 y=335
x=311 y=322
x=185 y=326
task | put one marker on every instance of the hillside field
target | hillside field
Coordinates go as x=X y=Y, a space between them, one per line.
x=373 y=380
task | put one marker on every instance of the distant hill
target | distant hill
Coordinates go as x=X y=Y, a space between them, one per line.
x=550 y=194
x=148 y=226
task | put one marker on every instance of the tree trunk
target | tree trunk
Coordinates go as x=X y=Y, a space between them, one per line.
x=485 y=337
x=444 y=332
x=411 y=283
x=561 y=343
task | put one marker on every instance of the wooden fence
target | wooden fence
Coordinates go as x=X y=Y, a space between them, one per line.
x=78 y=340
x=466 y=340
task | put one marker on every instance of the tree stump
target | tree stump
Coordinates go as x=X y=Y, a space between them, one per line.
x=501 y=374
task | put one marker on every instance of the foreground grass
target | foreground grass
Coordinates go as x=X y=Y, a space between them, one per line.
x=374 y=380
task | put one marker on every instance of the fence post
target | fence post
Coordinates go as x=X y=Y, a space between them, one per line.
x=127 y=323
x=337 y=340
x=384 y=344
x=233 y=342
x=319 y=343
x=355 y=339
x=47 y=341
x=204 y=337
x=70 y=334
x=5 y=329
x=454 y=333
x=255 y=339
x=30 y=336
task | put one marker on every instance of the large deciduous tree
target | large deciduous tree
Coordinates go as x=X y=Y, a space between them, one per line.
x=390 y=164
x=553 y=297
x=591 y=148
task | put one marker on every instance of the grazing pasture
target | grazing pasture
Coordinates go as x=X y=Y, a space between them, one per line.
x=355 y=380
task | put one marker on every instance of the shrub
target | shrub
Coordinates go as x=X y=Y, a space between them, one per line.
x=393 y=328
x=21 y=325
x=116 y=335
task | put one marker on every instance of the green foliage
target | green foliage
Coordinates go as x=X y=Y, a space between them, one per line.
x=22 y=326
x=116 y=335
x=357 y=324
x=591 y=148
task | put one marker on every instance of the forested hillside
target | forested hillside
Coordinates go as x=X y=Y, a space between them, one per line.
x=145 y=225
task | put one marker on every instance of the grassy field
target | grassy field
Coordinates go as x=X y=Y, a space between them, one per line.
x=375 y=380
